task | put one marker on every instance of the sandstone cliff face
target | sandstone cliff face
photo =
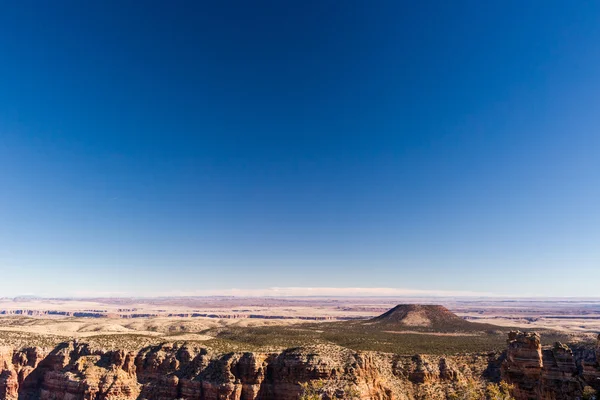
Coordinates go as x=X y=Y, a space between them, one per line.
x=545 y=374
x=590 y=368
x=74 y=371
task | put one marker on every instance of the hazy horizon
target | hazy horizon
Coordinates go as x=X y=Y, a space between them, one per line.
x=315 y=293
x=237 y=147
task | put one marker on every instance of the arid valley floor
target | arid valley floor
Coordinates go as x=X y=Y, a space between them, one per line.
x=190 y=318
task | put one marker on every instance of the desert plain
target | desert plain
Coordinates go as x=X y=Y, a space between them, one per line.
x=203 y=318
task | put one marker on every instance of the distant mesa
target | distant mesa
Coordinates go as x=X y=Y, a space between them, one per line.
x=429 y=316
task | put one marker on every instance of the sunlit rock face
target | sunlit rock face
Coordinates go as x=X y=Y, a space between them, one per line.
x=73 y=371
x=551 y=373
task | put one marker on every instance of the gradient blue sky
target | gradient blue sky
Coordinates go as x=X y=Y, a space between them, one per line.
x=170 y=147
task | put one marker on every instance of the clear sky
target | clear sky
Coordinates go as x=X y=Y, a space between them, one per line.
x=176 y=147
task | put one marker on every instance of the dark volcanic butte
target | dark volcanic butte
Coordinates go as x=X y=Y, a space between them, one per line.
x=434 y=317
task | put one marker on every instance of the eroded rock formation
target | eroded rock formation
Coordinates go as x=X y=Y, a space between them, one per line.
x=177 y=371
x=545 y=374
x=74 y=371
x=590 y=367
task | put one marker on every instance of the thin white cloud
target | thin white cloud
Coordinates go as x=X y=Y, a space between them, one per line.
x=324 y=291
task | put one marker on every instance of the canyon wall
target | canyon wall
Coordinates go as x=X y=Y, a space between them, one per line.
x=547 y=374
x=74 y=371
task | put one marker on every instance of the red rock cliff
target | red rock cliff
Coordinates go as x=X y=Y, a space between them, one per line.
x=544 y=374
x=73 y=371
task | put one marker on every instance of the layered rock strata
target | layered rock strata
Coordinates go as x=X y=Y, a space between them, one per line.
x=546 y=374
x=74 y=371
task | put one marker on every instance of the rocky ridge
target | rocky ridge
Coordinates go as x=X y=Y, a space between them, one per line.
x=177 y=371
x=75 y=370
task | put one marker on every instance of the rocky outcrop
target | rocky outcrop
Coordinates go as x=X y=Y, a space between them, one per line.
x=523 y=364
x=590 y=366
x=545 y=374
x=74 y=371
x=179 y=371
x=421 y=369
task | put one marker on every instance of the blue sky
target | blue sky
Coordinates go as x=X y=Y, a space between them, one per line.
x=199 y=147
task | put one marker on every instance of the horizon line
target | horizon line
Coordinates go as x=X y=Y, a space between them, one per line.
x=297 y=292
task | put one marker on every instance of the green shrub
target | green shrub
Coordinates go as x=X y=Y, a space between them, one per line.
x=500 y=391
x=311 y=390
x=589 y=393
